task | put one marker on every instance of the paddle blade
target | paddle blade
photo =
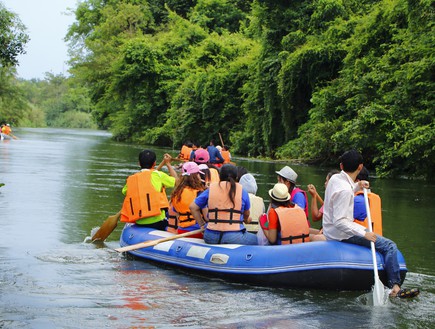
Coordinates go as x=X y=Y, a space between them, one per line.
x=106 y=228
x=156 y=242
x=378 y=293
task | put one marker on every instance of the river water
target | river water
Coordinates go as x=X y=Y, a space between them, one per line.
x=59 y=184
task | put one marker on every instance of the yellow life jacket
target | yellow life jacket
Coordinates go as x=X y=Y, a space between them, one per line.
x=172 y=220
x=294 y=226
x=185 y=152
x=226 y=156
x=184 y=216
x=142 y=200
x=222 y=215
x=375 y=212
x=214 y=175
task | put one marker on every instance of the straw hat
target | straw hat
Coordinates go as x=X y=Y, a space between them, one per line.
x=279 y=192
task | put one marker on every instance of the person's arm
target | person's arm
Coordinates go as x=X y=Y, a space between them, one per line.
x=195 y=207
x=272 y=232
x=196 y=213
x=316 y=215
x=247 y=216
x=167 y=159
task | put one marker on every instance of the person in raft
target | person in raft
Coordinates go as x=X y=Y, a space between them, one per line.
x=228 y=208
x=145 y=201
x=286 y=222
x=188 y=187
x=249 y=184
x=338 y=220
x=316 y=212
x=288 y=177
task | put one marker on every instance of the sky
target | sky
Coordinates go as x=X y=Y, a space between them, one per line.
x=47 y=24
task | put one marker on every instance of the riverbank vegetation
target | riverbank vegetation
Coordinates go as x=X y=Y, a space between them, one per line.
x=302 y=80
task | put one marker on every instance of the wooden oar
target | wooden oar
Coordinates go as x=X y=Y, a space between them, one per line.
x=156 y=242
x=107 y=227
x=378 y=290
x=222 y=141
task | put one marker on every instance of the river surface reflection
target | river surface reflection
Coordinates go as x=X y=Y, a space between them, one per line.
x=59 y=184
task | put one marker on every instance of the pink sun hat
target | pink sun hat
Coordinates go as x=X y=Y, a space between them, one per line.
x=190 y=168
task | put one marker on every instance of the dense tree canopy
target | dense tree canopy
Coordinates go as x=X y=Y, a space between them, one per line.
x=299 y=79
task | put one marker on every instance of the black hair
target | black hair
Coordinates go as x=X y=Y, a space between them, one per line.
x=363 y=174
x=228 y=173
x=240 y=172
x=147 y=158
x=351 y=160
x=332 y=173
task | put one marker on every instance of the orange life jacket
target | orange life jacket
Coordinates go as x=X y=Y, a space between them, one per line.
x=375 y=212
x=185 y=152
x=184 y=216
x=222 y=215
x=142 y=200
x=294 y=226
x=226 y=156
x=6 y=130
x=172 y=220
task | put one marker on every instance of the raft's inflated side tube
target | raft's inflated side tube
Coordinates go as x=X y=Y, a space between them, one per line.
x=319 y=265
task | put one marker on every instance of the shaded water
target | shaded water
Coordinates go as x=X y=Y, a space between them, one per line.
x=59 y=184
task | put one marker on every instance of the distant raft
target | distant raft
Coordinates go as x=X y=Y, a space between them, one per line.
x=328 y=265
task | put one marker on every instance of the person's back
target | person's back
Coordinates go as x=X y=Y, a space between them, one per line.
x=185 y=151
x=257 y=203
x=187 y=189
x=214 y=154
x=228 y=208
x=145 y=199
x=286 y=221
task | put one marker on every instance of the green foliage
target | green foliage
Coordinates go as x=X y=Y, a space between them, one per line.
x=217 y=15
x=13 y=37
x=13 y=106
x=299 y=79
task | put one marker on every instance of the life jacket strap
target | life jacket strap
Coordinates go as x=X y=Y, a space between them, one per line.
x=295 y=237
x=231 y=220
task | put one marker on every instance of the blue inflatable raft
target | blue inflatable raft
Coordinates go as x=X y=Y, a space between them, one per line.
x=318 y=265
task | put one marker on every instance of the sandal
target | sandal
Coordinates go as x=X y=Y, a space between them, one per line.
x=408 y=293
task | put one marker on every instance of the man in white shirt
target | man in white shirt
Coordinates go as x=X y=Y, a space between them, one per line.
x=338 y=218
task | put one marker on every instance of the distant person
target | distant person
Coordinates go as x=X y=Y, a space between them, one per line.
x=214 y=154
x=288 y=177
x=339 y=225
x=202 y=157
x=226 y=154
x=188 y=187
x=145 y=201
x=185 y=151
x=228 y=208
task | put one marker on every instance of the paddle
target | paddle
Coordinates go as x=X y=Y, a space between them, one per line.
x=107 y=227
x=222 y=141
x=378 y=290
x=156 y=242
